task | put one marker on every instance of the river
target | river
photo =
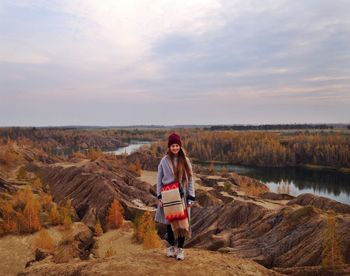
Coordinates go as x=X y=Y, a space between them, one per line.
x=298 y=180
x=291 y=180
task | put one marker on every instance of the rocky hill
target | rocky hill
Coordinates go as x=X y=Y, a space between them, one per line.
x=235 y=218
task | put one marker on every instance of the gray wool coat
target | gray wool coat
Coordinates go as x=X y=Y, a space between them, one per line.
x=165 y=176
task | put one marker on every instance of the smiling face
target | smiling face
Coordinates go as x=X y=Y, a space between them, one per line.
x=175 y=148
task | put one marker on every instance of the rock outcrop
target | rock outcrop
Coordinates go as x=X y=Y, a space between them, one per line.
x=321 y=202
x=145 y=158
x=285 y=237
x=93 y=185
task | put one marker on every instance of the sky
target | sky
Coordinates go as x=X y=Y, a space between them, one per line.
x=85 y=62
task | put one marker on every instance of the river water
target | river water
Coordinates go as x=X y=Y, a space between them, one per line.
x=291 y=180
x=297 y=180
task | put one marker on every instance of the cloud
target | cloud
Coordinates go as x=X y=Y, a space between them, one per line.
x=181 y=53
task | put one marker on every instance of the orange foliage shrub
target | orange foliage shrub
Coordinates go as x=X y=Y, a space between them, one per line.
x=8 y=156
x=110 y=252
x=115 y=215
x=145 y=231
x=135 y=168
x=8 y=224
x=93 y=154
x=78 y=154
x=151 y=239
x=46 y=201
x=44 y=241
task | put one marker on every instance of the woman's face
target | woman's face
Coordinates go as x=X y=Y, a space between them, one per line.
x=175 y=148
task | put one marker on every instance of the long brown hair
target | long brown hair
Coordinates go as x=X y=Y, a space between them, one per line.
x=182 y=165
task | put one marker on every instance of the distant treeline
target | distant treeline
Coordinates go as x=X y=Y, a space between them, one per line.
x=271 y=127
x=57 y=139
x=267 y=148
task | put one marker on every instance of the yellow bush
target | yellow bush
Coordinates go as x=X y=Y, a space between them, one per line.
x=44 y=241
x=110 y=252
x=151 y=239
x=145 y=231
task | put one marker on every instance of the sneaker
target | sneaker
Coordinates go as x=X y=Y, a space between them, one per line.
x=170 y=251
x=180 y=254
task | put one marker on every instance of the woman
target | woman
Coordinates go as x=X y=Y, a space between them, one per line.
x=174 y=167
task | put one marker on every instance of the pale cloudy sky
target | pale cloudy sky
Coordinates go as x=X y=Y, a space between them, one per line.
x=110 y=62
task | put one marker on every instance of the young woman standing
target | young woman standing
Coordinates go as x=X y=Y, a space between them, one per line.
x=175 y=167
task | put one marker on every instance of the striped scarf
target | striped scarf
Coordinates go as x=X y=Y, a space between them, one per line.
x=175 y=210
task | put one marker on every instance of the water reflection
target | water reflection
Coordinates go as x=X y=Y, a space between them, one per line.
x=133 y=146
x=295 y=181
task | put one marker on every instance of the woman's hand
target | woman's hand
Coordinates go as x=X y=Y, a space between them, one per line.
x=190 y=203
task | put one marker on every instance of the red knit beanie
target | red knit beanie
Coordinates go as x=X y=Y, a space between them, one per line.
x=174 y=139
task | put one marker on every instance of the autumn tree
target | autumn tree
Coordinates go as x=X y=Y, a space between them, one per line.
x=115 y=215
x=54 y=216
x=8 y=223
x=31 y=214
x=21 y=198
x=46 y=201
